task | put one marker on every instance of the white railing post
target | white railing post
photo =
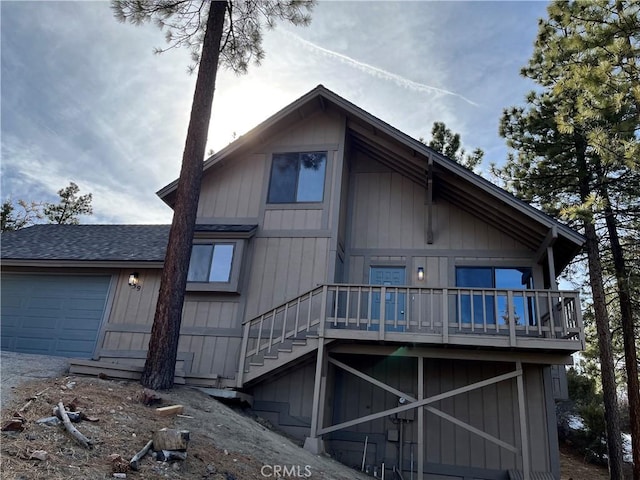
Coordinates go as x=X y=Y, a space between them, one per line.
x=512 y=318
x=243 y=354
x=323 y=311
x=583 y=342
x=383 y=308
x=284 y=323
x=445 y=315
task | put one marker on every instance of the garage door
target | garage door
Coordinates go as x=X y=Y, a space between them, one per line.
x=52 y=314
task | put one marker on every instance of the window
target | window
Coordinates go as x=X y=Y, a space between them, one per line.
x=215 y=265
x=297 y=177
x=211 y=263
x=495 y=303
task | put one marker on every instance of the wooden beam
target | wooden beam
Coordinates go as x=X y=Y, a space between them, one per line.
x=371 y=380
x=524 y=436
x=315 y=412
x=472 y=429
x=553 y=282
x=387 y=147
x=549 y=240
x=420 y=419
x=429 y=232
x=545 y=358
x=419 y=403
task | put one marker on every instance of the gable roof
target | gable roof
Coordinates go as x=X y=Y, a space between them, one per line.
x=99 y=243
x=389 y=146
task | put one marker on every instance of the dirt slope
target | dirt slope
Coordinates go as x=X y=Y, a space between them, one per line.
x=225 y=444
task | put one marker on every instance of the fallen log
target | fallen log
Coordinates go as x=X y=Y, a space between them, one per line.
x=79 y=437
x=134 y=463
x=75 y=417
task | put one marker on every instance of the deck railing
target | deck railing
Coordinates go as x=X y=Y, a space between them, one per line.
x=464 y=316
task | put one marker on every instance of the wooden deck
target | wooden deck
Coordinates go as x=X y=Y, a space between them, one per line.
x=525 y=320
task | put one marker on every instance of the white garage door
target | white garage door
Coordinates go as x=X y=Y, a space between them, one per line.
x=52 y=314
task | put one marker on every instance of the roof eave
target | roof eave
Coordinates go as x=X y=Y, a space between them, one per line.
x=55 y=263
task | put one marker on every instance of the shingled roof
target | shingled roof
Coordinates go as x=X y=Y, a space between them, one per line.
x=108 y=243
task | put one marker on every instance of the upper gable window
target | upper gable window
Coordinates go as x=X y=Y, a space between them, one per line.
x=297 y=177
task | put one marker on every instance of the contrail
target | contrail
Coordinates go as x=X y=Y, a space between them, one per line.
x=378 y=72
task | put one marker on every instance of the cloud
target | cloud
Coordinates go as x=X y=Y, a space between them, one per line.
x=378 y=72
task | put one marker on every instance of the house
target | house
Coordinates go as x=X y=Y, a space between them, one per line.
x=377 y=300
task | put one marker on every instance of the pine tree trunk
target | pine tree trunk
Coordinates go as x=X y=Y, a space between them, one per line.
x=607 y=371
x=159 y=368
x=628 y=333
x=626 y=311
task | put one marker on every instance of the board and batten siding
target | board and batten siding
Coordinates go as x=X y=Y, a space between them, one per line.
x=282 y=269
x=233 y=190
x=319 y=128
x=286 y=401
x=210 y=330
x=389 y=212
x=288 y=257
x=299 y=219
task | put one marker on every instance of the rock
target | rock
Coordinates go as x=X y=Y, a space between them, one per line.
x=39 y=455
x=168 y=455
x=13 y=425
x=50 y=421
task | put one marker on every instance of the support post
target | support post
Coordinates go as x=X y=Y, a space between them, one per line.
x=313 y=443
x=524 y=435
x=553 y=284
x=429 y=226
x=420 y=419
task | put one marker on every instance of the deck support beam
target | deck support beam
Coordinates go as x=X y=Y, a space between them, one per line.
x=524 y=435
x=420 y=420
x=419 y=403
x=313 y=442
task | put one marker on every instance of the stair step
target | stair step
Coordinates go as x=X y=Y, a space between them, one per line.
x=285 y=348
x=271 y=356
x=299 y=341
x=256 y=364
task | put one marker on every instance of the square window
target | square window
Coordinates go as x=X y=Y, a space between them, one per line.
x=211 y=263
x=297 y=177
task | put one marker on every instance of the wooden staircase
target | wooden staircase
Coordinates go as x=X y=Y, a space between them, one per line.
x=281 y=336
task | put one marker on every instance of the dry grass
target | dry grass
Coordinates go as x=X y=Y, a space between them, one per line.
x=574 y=467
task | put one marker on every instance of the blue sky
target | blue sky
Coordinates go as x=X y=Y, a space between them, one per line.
x=84 y=98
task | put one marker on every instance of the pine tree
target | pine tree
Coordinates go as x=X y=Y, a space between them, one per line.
x=592 y=50
x=443 y=140
x=70 y=206
x=227 y=33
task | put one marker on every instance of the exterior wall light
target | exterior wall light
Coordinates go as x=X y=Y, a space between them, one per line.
x=420 y=273
x=134 y=280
